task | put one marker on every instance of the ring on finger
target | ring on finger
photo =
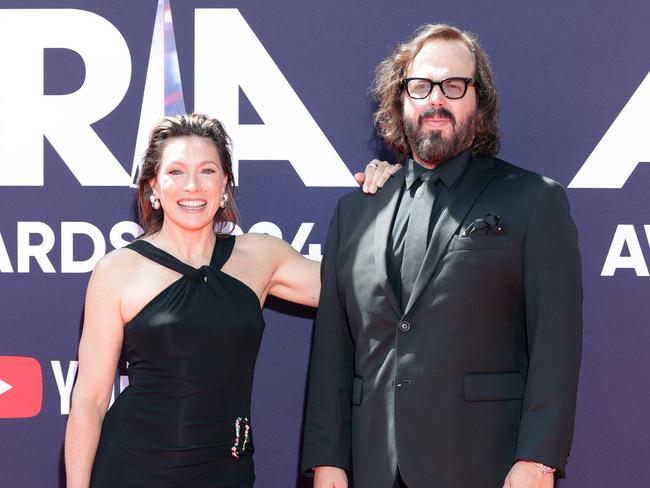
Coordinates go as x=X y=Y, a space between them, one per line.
x=372 y=165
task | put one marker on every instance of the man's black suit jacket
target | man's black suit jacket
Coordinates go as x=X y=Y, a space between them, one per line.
x=481 y=367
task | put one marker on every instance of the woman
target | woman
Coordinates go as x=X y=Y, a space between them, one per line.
x=184 y=306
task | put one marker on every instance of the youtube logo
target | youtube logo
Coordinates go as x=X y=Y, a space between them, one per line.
x=21 y=387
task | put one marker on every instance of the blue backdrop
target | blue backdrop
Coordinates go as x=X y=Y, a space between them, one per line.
x=82 y=80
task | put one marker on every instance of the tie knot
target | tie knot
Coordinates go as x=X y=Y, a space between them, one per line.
x=429 y=177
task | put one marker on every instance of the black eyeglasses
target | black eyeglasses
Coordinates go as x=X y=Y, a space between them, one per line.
x=452 y=88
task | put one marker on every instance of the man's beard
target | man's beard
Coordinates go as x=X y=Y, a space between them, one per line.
x=433 y=147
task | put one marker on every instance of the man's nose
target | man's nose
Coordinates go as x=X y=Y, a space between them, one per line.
x=436 y=97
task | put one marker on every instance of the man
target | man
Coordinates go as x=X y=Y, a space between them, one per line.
x=447 y=342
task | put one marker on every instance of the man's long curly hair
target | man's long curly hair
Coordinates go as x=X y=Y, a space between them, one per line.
x=387 y=90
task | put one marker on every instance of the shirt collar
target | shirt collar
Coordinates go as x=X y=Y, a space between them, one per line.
x=449 y=171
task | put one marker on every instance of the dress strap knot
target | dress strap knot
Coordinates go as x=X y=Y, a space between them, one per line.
x=165 y=259
x=196 y=273
x=204 y=271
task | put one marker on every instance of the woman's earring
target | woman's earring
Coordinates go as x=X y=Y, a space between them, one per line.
x=224 y=200
x=155 y=202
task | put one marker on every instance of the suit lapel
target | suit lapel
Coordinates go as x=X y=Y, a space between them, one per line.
x=385 y=203
x=479 y=174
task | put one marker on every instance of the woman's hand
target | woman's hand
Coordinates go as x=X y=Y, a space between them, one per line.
x=376 y=174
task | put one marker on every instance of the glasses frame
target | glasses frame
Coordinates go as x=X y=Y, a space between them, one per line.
x=468 y=81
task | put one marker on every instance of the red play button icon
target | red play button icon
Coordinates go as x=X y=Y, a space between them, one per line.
x=21 y=387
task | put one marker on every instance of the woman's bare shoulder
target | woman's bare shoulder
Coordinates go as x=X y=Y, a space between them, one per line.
x=117 y=265
x=261 y=243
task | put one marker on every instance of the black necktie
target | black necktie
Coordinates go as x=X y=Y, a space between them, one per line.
x=417 y=232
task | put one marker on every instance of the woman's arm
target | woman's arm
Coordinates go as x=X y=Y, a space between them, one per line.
x=99 y=352
x=295 y=278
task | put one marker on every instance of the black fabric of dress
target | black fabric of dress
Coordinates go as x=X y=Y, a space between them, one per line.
x=191 y=352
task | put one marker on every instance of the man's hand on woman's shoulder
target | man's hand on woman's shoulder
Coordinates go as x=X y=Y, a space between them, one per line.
x=375 y=175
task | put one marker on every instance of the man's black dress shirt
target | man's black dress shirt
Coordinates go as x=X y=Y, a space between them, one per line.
x=450 y=174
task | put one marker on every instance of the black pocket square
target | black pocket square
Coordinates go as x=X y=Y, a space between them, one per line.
x=490 y=225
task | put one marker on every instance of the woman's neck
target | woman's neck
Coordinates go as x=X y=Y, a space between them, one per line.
x=191 y=247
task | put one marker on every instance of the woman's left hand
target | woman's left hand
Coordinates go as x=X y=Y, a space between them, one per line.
x=376 y=174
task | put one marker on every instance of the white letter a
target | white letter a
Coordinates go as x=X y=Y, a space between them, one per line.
x=622 y=147
x=228 y=56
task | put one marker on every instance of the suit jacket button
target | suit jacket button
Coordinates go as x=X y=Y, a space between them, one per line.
x=404 y=326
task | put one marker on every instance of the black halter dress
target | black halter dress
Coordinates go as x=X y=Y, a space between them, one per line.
x=184 y=419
